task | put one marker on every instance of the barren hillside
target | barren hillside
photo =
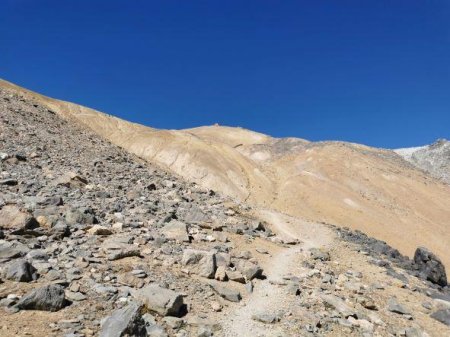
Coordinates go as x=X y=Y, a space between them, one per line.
x=95 y=241
x=345 y=184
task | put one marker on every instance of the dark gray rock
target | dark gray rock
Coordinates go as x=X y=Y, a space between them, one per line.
x=48 y=298
x=9 y=182
x=126 y=321
x=20 y=271
x=430 y=266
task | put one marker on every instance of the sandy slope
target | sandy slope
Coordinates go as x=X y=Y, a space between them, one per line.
x=346 y=184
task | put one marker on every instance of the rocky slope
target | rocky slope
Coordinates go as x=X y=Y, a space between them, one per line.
x=97 y=242
x=434 y=158
x=345 y=184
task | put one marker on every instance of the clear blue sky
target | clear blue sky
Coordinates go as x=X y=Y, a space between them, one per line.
x=374 y=72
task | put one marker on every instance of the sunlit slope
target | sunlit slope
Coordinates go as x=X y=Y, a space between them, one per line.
x=340 y=183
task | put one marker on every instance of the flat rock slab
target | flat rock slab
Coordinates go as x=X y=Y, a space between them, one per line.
x=394 y=306
x=163 y=301
x=339 y=304
x=176 y=230
x=11 y=250
x=226 y=292
x=126 y=321
x=442 y=316
x=266 y=318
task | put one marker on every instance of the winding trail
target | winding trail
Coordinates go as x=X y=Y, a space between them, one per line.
x=268 y=296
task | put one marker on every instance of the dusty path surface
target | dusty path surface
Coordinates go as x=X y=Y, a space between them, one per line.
x=268 y=296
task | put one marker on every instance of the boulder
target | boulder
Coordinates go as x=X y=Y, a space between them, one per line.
x=163 y=301
x=20 y=271
x=126 y=321
x=202 y=263
x=249 y=269
x=47 y=298
x=430 y=266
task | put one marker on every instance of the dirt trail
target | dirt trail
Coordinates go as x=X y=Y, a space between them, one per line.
x=268 y=296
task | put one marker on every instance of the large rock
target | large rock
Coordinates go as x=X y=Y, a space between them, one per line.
x=202 y=263
x=227 y=292
x=126 y=321
x=176 y=230
x=11 y=250
x=163 y=301
x=394 y=306
x=48 y=298
x=12 y=217
x=442 y=316
x=430 y=266
x=20 y=271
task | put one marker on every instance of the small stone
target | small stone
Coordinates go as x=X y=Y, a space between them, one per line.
x=99 y=230
x=266 y=318
x=221 y=274
x=216 y=306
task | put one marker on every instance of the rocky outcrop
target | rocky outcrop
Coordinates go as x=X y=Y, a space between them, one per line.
x=430 y=266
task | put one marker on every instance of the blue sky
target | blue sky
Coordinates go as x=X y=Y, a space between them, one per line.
x=373 y=72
